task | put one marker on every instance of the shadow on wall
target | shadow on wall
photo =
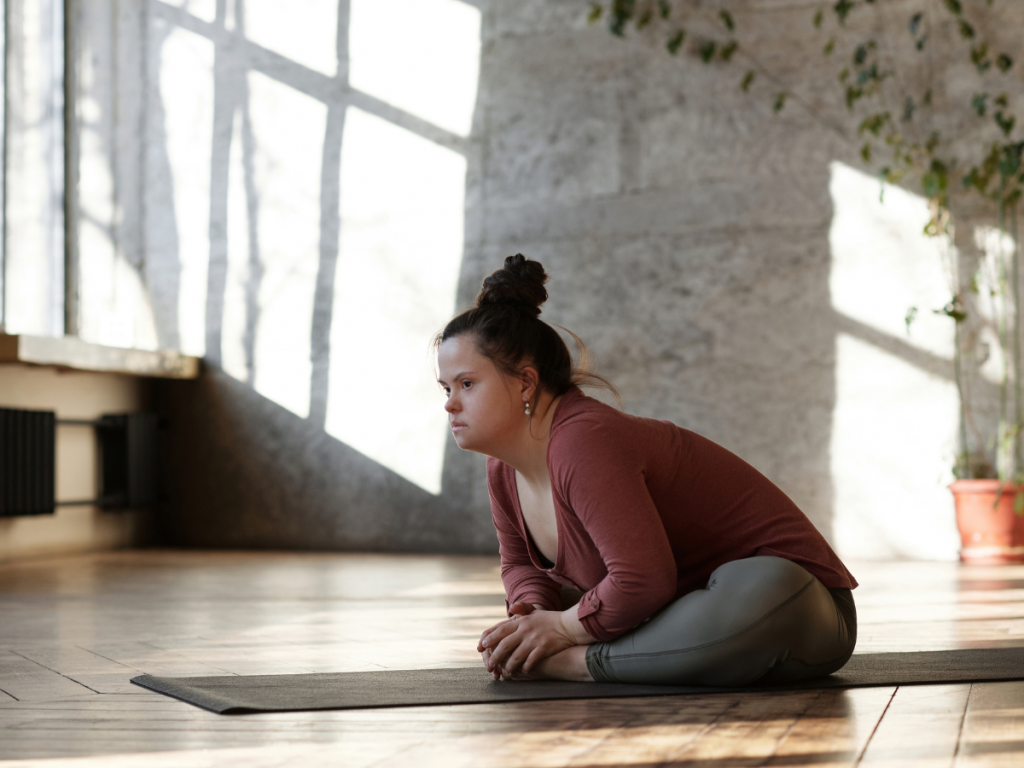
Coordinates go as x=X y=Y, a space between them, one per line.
x=251 y=474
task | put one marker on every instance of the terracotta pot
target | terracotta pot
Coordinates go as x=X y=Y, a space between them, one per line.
x=990 y=532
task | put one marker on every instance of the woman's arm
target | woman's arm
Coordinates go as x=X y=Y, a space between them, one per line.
x=600 y=475
x=523 y=582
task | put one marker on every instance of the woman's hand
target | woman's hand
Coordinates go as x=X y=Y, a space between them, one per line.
x=516 y=609
x=514 y=647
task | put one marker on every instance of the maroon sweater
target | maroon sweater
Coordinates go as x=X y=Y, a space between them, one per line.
x=645 y=511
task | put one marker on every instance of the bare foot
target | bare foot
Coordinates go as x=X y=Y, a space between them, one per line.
x=570 y=664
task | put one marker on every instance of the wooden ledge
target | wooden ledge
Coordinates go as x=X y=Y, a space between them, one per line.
x=72 y=352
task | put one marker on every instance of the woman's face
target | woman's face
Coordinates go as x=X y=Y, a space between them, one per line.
x=483 y=410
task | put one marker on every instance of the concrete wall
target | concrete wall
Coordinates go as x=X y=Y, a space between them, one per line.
x=72 y=395
x=312 y=191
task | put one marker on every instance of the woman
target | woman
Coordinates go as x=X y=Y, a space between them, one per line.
x=694 y=568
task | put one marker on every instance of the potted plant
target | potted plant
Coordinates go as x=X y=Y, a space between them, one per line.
x=963 y=152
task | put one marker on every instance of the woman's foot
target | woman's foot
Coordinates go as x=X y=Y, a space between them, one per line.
x=570 y=664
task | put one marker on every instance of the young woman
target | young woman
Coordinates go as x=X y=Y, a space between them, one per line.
x=694 y=568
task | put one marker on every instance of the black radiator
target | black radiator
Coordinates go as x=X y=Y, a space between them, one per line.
x=128 y=458
x=26 y=462
x=127 y=461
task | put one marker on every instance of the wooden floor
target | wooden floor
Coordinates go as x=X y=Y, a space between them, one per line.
x=74 y=630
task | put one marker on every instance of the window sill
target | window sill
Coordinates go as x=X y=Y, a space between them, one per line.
x=71 y=352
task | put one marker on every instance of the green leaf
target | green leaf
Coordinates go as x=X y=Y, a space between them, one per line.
x=748 y=79
x=975 y=180
x=780 y=102
x=1005 y=122
x=966 y=30
x=844 y=74
x=873 y=124
x=707 y=50
x=919 y=44
x=955 y=308
x=620 y=15
x=936 y=181
x=1018 y=503
x=927 y=100
x=860 y=54
x=979 y=56
x=728 y=50
x=818 y=18
x=842 y=9
x=676 y=41
x=1002 y=100
x=954 y=6
x=910 y=317
x=726 y=18
x=865 y=152
x=644 y=20
x=664 y=8
x=1004 y=62
x=1010 y=161
x=596 y=9
x=915 y=23
x=829 y=47
x=978 y=103
x=853 y=93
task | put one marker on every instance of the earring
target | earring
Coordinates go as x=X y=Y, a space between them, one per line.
x=527 y=404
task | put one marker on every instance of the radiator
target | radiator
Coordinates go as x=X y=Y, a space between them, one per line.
x=128 y=456
x=127 y=459
x=26 y=462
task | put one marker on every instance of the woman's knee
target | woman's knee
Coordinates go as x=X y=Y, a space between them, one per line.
x=757 y=586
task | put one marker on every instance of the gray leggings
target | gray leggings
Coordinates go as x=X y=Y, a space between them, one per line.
x=760 y=620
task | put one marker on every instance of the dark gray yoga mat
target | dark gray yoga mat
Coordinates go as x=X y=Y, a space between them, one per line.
x=240 y=694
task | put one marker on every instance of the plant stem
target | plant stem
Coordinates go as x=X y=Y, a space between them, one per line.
x=1003 y=456
x=1015 y=260
x=965 y=465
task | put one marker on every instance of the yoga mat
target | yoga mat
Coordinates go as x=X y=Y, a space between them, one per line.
x=240 y=694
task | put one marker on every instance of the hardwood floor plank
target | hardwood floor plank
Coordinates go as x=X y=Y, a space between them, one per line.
x=142 y=657
x=88 y=669
x=920 y=728
x=993 y=730
x=25 y=680
x=835 y=729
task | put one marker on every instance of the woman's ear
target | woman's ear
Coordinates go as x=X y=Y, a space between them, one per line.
x=529 y=380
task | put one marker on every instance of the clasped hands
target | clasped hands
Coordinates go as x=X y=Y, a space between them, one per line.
x=513 y=648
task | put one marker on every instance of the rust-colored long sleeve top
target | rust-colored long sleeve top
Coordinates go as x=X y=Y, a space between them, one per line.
x=645 y=510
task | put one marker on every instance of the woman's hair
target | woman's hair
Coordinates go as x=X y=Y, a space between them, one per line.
x=507 y=329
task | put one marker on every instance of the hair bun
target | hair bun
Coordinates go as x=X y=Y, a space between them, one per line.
x=519 y=283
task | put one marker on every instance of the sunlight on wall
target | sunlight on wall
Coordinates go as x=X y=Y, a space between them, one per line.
x=202 y=9
x=186 y=88
x=288 y=128
x=398 y=269
x=34 y=169
x=883 y=264
x=114 y=303
x=235 y=319
x=422 y=56
x=893 y=441
x=305 y=31
x=894 y=425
